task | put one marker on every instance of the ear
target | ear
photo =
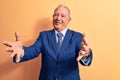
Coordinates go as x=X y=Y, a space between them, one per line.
x=70 y=19
x=53 y=15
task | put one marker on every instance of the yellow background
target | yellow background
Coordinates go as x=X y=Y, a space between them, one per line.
x=100 y=19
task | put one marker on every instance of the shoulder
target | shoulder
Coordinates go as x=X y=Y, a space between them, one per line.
x=76 y=34
x=45 y=32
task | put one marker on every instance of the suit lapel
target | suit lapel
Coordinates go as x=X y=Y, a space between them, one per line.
x=52 y=38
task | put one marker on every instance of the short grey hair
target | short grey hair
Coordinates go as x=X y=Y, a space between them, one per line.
x=61 y=5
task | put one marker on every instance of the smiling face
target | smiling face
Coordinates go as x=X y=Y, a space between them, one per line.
x=61 y=18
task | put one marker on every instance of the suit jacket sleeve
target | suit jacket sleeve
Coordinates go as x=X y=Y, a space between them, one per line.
x=87 y=61
x=31 y=51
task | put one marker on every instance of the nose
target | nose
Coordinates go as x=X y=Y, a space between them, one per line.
x=58 y=17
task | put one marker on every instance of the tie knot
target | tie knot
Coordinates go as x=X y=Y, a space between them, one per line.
x=59 y=35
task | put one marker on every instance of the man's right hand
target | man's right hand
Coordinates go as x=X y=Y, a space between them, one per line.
x=15 y=47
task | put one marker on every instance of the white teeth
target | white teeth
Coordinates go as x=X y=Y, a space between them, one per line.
x=58 y=22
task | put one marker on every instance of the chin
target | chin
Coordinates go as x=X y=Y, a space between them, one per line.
x=58 y=26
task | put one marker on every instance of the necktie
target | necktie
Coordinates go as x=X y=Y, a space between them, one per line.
x=59 y=35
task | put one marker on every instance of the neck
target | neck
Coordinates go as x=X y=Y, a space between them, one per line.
x=59 y=30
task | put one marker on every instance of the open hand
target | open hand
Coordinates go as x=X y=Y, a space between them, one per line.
x=15 y=47
x=85 y=49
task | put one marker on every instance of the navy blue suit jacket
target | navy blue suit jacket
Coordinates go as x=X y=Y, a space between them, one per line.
x=62 y=66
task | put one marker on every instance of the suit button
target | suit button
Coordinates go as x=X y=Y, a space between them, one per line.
x=59 y=63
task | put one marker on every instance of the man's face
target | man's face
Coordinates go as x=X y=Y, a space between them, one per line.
x=61 y=18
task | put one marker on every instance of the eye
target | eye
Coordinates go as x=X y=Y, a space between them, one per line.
x=62 y=16
x=55 y=15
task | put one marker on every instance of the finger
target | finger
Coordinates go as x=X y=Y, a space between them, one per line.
x=85 y=51
x=79 y=57
x=18 y=58
x=13 y=54
x=84 y=39
x=84 y=35
x=82 y=52
x=9 y=49
x=17 y=35
x=7 y=43
x=85 y=48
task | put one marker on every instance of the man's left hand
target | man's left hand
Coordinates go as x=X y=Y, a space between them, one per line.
x=85 y=49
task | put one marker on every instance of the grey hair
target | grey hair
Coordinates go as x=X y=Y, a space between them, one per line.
x=61 y=5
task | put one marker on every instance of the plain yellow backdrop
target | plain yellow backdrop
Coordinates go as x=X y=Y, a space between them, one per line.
x=100 y=19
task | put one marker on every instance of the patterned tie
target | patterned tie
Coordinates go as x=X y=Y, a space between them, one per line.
x=59 y=35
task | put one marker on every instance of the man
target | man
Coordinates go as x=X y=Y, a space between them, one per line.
x=61 y=49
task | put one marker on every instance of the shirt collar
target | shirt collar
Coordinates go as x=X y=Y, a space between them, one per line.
x=63 y=31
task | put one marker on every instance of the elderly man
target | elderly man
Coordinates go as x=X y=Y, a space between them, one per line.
x=61 y=49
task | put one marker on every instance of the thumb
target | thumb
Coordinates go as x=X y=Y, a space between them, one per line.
x=17 y=58
x=84 y=35
x=17 y=36
x=79 y=57
x=84 y=39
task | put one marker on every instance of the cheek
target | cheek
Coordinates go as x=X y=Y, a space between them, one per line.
x=54 y=18
x=66 y=21
x=53 y=21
